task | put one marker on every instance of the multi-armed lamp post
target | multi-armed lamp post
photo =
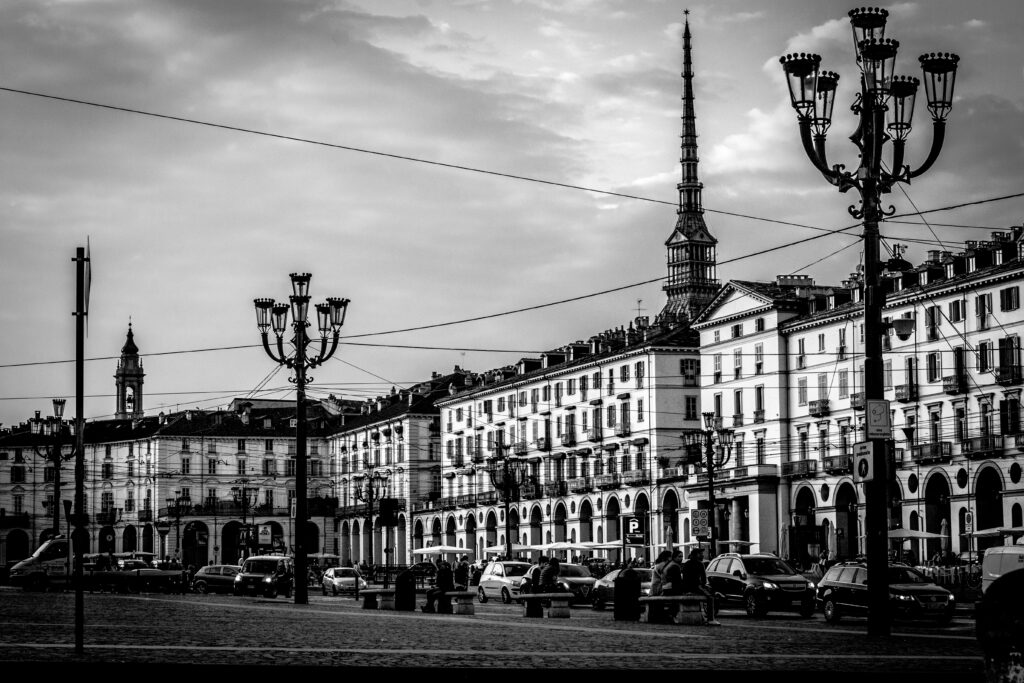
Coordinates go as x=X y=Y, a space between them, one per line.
x=330 y=318
x=881 y=93
x=508 y=474
x=373 y=487
x=54 y=453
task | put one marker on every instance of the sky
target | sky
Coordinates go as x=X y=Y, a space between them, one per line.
x=484 y=180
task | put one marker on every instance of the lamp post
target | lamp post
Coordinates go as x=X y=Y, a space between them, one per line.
x=54 y=453
x=508 y=474
x=812 y=93
x=330 y=318
x=247 y=496
x=714 y=458
x=176 y=507
x=373 y=487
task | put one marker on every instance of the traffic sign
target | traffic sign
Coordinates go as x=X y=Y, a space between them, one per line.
x=968 y=522
x=633 y=530
x=863 y=461
x=879 y=421
x=699 y=522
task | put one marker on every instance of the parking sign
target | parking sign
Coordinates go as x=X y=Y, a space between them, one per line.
x=699 y=522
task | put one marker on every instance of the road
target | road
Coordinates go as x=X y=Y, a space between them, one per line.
x=160 y=634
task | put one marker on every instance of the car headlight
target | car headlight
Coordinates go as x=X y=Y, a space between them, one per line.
x=238 y=578
x=951 y=599
x=769 y=586
x=811 y=586
x=268 y=579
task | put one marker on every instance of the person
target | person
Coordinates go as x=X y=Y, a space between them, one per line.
x=478 y=571
x=672 y=574
x=823 y=561
x=693 y=577
x=444 y=581
x=658 y=571
x=462 y=574
x=534 y=577
x=549 y=576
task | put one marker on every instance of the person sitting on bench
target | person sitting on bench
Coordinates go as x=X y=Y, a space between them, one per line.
x=444 y=581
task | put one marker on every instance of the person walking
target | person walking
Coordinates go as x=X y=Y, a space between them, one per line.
x=444 y=581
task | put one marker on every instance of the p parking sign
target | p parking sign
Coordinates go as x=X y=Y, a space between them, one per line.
x=633 y=530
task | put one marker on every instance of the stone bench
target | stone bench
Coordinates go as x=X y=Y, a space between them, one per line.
x=463 y=601
x=557 y=609
x=690 y=608
x=387 y=598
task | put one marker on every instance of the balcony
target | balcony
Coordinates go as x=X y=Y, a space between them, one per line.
x=857 y=400
x=607 y=481
x=581 y=485
x=622 y=431
x=594 y=434
x=799 y=468
x=529 y=491
x=954 y=384
x=924 y=453
x=672 y=473
x=636 y=478
x=543 y=444
x=466 y=500
x=449 y=503
x=737 y=420
x=819 y=408
x=758 y=417
x=109 y=517
x=980 y=447
x=906 y=393
x=569 y=439
x=837 y=464
x=558 y=488
x=1008 y=374
x=520 y=448
x=145 y=515
x=1018 y=441
x=487 y=498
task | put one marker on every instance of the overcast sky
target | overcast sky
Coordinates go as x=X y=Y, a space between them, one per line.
x=214 y=147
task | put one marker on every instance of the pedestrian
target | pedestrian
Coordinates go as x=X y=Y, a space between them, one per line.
x=549 y=576
x=462 y=574
x=658 y=571
x=444 y=581
x=672 y=573
x=532 y=584
x=694 y=578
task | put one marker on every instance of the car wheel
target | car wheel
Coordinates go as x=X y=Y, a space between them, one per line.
x=831 y=610
x=334 y=590
x=946 y=618
x=599 y=604
x=807 y=610
x=481 y=595
x=200 y=587
x=754 y=607
x=323 y=588
x=272 y=592
x=506 y=597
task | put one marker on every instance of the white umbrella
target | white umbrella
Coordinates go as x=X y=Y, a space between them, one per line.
x=516 y=548
x=668 y=538
x=563 y=545
x=784 y=541
x=903 y=534
x=991 y=532
x=441 y=550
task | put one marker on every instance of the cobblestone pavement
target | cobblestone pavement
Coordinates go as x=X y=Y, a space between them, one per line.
x=156 y=633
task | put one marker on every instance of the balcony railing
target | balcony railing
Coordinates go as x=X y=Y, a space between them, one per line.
x=622 y=430
x=954 y=384
x=519 y=448
x=529 y=491
x=939 y=451
x=758 y=417
x=837 y=464
x=449 y=503
x=145 y=515
x=569 y=439
x=106 y=517
x=558 y=488
x=819 y=408
x=581 y=485
x=1008 y=374
x=979 y=447
x=737 y=420
x=594 y=434
x=466 y=500
x=906 y=393
x=799 y=468
x=543 y=444
x=673 y=473
x=636 y=478
x=857 y=400
x=607 y=481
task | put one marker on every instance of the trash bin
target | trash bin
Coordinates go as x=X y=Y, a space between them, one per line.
x=405 y=591
x=1000 y=627
x=627 y=596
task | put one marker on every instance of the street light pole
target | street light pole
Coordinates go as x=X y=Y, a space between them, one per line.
x=507 y=475
x=812 y=93
x=54 y=453
x=330 y=318
x=175 y=507
x=713 y=460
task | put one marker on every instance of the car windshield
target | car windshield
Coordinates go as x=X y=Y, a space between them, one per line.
x=342 y=572
x=905 y=575
x=261 y=567
x=516 y=569
x=573 y=570
x=767 y=565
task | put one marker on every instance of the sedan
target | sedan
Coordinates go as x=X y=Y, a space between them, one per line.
x=215 y=578
x=501 y=579
x=843 y=590
x=341 y=580
x=604 y=588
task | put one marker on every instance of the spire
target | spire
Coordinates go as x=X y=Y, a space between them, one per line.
x=691 y=283
x=129 y=347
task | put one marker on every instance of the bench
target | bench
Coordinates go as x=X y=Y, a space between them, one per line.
x=387 y=598
x=690 y=608
x=557 y=609
x=463 y=601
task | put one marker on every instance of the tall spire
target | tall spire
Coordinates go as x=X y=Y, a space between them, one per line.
x=691 y=283
x=129 y=379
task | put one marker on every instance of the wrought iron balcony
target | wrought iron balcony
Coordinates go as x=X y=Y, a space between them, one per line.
x=569 y=439
x=954 y=384
x=622 y=430
x=923 y=453
x=520 y=448
x=543 y=444
x=906 y=393
x=1008 y=374
x=581 y=485
x=636 y=478
x=673 y=473
x=799 y=468
x=449 y=503
x=837 y=464
x=979 y=447
x=145 y=515
x=558 y=488
x=466 y=500
x=529 y=491
x=487 y=498
x=819 y=408
x=857 y=400
x=594 y=434
x=607 y=481
x=737 y=420
x=758 y=417
x=106 y=517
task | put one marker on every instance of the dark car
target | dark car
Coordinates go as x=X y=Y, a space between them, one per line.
x=761 y=582
x=574 y=578
x=843 y=590
x=425 y=570
x=265 y=575
x=603 y=591
x=215 y=578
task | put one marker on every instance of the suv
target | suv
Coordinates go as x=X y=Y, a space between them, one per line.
x=844 y=590
x=760 y=582
x=266 y=575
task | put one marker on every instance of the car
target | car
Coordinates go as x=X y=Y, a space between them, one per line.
x=760 y=582
x=574 y=578
x=215 y=578
x=843 y=590
x=604 y=587
x=501 y=579
x=424 y=570
x=341 y=580
x=263 y=575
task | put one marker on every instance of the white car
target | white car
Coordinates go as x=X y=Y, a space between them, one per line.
x=501 y=579
x=341 y=580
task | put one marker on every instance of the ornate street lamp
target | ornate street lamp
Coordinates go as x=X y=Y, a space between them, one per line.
x=812 y=93
x=54 y=452
x=508 y=474
x=374 y=486
x=247 y=497
x=330 y=318
x=717 y=444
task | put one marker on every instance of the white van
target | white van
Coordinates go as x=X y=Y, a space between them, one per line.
x=49 y=566
x=999 y=560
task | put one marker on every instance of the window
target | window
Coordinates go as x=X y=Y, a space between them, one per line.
x=737 y=330
x=718 y=368
x=1009 y=356
x=801 y=360
x=184 y=446
x=546 y=393
x=624 y=373
x=131 y=469
x=822 y=385
x=759 y=325
x=689 y=368
x=960 y=423
x=985 y=356
x=611 y=382
x=268 y=467
x=268 y=445
x=241 y=445
x=841 y=351
x=934 y=366
x=639 y=410
x=801 y=391
x=570 y=387
x=691 y=408
x=956 y=310
x=932 y=320
x=759 y=398
x=718 y=336
x=821 y=342
x=737 y=405
x=1009 y=299
x=638 y=371
x=584 y=381
x=758 y=359
x=186 y=466
x=211 y=448
x=240 y=467
x=983 y=309
x=1009 y=415
x=610 y=412
x=211 y=466
x=737 y=363
x=107 y=472
x=597 y=379
x=887 y=374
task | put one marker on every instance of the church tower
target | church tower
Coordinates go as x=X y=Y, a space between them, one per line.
x=692 y=282
x=129 y=380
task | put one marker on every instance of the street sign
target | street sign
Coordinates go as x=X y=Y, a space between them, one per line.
x=863 y=461
x=879 y=421
x=633 y=530
x=699 y=522
x=968 y=522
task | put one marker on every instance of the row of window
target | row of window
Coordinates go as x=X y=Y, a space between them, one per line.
x=241 y=446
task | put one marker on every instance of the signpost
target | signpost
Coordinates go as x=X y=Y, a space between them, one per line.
x=633 y=530
x=863 y=462
x=699 y=522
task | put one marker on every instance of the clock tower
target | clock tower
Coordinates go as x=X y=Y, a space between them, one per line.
x=129 y=378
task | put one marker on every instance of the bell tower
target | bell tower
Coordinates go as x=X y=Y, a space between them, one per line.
x=692 y=282
x=129 y=379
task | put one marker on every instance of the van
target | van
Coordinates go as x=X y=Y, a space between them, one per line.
x=999 y=560
x=49 y=566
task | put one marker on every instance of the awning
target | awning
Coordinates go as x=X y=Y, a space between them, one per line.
x=558 y=456
x=642 y=441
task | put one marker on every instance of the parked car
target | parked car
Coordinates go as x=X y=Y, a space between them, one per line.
x=425 y=570
x=843 y=590
x=604 y=587
x=215 y=578
x=761 y=582
x=263 y=575
x=341 y=580
x=501 y=579
x=575 y=578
